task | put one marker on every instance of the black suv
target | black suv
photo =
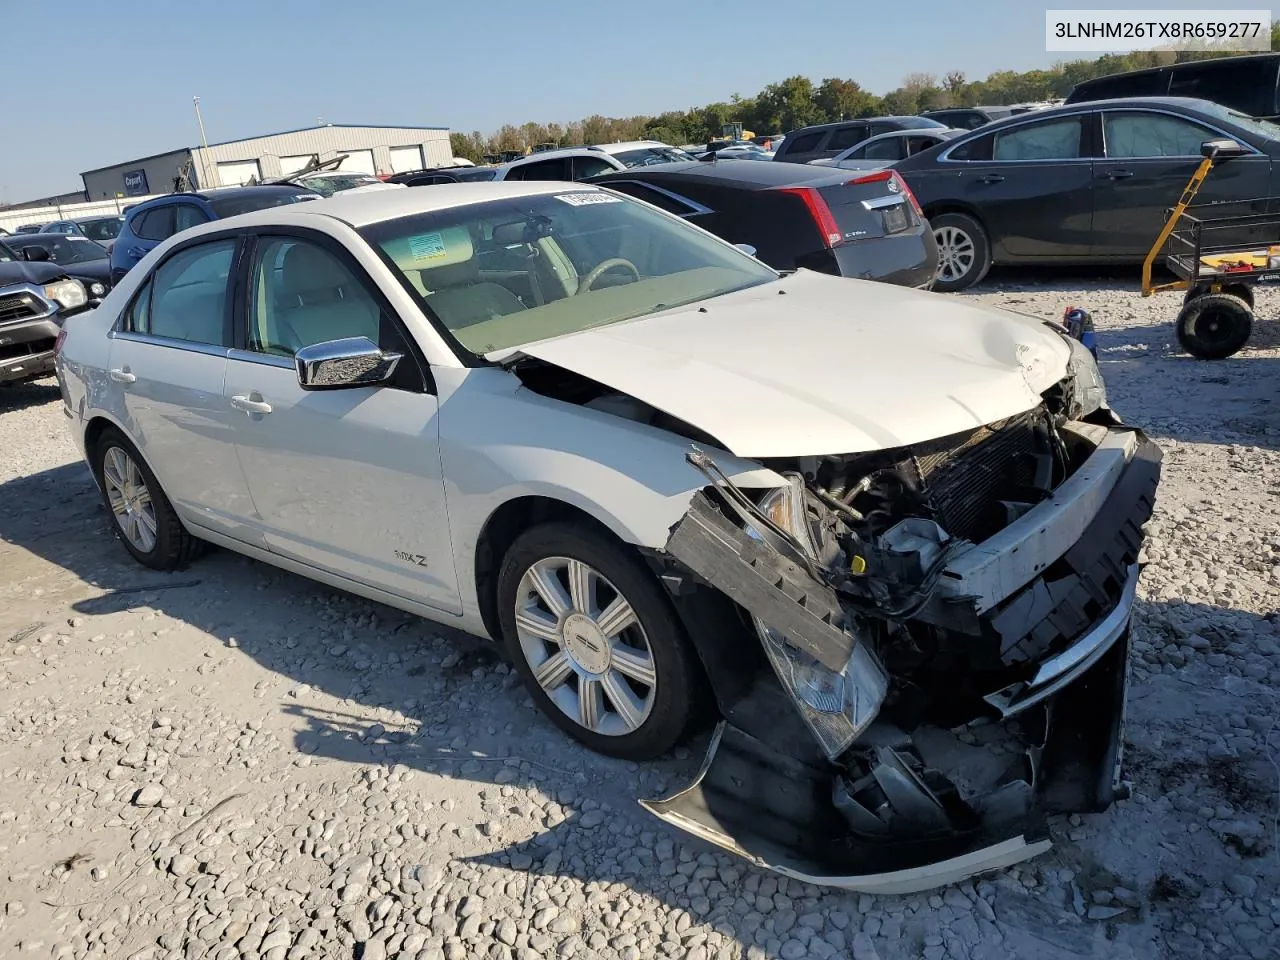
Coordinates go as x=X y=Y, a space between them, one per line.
x=828 y=139
x=1248 y=84
x=36 y=296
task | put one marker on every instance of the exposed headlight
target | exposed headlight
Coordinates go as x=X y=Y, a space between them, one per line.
x=837 y=707
x=97 y=289
x=69 y=294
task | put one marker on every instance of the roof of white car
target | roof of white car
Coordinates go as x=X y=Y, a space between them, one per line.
x=360 y=209
x=629 y=145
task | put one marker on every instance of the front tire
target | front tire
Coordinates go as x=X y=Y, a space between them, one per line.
x=1214 y=326
x=597 y=644
x=964 y=251
x=144 y=518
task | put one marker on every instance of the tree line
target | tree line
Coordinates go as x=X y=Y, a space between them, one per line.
x=797 y=102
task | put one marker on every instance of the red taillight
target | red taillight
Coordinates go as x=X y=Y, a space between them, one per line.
x=57 y=344
x=883 y=176
x=820 y=212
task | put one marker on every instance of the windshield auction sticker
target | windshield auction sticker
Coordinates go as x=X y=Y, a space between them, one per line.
x=586 y=199
x=1123 y=31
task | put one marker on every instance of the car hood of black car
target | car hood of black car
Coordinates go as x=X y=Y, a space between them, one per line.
x=88 y=271
x=33 y=271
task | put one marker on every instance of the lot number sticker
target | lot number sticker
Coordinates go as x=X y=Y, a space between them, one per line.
x=429 y=246
x=586 y=199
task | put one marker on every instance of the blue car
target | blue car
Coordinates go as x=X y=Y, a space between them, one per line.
x=149 y=223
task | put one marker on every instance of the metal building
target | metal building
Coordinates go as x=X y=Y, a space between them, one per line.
x=232 y=162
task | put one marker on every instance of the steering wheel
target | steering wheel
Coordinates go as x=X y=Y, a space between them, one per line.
x=603 y=267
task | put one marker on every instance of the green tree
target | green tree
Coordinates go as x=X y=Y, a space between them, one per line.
x=837 y=99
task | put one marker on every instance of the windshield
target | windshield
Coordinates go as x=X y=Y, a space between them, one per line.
x=328 y=186
x=252 y=199
x=106 y=229
x=1259 y=128
x=918 y=123
x=476 y=173
x=648 y=156
x=69 y=249
x=508 y=272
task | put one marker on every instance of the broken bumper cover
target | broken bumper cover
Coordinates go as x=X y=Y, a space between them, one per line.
x=904 y=811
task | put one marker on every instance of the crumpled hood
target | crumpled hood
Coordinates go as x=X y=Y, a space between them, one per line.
x=816 y=365
x=30 y=271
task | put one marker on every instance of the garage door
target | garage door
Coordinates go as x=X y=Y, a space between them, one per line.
x=290 y=165
x=358 y=161
x=404 y=159
x=237 y=172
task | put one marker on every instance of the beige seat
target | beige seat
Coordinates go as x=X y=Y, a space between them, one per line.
x=443 y=267
x=318 y=300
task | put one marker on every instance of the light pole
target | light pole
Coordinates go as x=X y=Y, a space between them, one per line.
x=204 y=142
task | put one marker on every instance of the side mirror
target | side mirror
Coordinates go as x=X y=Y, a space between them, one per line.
x=339 y=364
x=1222 y=149
x=35 y=254
x=746 y=248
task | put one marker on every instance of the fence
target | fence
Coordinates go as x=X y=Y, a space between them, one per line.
x=68 y=211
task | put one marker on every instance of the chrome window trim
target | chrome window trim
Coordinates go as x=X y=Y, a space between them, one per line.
x=35 y=291
x=262 y=359
x=193 y=346
x=695 y=209
x=1253 y=151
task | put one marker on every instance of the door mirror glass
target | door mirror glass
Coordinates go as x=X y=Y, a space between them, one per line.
x=746 y=248
x=336 y=364
x=1221 y=149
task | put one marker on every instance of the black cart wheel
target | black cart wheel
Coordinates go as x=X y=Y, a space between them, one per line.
x=1241 y=290
x=1214 y=326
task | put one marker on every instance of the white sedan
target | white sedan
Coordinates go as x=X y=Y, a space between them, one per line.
x=845 y=517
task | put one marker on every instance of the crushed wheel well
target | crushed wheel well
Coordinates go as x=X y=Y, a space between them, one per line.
x=500 y=531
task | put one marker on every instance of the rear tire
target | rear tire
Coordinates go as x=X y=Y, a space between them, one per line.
x=143 y=517
x=964 y=251
x=1214 y=326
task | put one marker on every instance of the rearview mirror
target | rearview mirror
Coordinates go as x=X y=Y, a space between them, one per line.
x=1222 y=149
x=35 y=253
x=337 y=364
x=746 y=248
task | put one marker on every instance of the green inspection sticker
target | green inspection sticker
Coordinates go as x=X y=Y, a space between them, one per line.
x=428 y=246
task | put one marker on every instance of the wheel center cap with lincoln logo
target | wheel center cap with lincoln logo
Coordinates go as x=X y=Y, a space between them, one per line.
x=586 y=643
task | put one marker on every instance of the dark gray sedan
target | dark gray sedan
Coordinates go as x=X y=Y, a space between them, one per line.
x=1087 y=183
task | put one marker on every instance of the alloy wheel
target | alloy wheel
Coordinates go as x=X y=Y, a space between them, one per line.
x=956 y=253
x=585 y=645
x=130 y=499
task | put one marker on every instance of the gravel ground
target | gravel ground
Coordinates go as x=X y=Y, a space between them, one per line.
x=233 y=762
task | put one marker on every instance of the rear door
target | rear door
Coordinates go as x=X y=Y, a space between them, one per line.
x=168 y=362
x=1149 y=157
x=1031 y=185
x=149 y=228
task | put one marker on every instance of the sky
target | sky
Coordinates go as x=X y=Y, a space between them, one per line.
x=118 y=83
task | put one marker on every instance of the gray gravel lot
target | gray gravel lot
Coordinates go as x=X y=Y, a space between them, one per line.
x=233 y=762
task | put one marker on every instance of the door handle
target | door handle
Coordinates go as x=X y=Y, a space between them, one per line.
x=121 y=376
x=249 y=405
x=1119 y=174
x=991 y=178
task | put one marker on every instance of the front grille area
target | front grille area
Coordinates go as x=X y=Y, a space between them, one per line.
x=969 y=480
x=20 y=306
x=16 y=351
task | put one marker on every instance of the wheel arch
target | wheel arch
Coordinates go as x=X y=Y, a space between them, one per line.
x=97 y=424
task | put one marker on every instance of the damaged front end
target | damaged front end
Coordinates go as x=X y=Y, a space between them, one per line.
x=946 y=628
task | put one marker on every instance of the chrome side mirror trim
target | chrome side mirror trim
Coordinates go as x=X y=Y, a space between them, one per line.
x=339 y=364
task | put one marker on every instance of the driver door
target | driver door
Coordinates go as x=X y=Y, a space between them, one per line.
x=345 y=480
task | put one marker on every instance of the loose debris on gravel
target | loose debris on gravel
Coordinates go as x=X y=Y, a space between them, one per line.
x=234 y=763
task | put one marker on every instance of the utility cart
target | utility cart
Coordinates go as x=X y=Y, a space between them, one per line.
x=1219 y=252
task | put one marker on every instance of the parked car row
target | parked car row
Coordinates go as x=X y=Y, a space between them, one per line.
x=37 y=294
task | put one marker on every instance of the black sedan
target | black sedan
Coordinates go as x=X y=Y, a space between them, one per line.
x=863 y=225
x=79 y=257
x=1087 y=183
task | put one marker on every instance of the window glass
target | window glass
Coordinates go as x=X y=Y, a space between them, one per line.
x=584 y=167
x=248 y=199
x=659 y=199
x=805 y=143
x=577 y=258
x=916 y=144
x=156 y=224
x=1131 y=135
x=107 y=229
x=648 y=156
x=543 y=170
x=1247 y=85
x=188 y=297
x=1144 y=84
x=846 y=137
x=888 y=149
x=302 y=295
x=186 y=216
x=979 y=148
x=1050 y=140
